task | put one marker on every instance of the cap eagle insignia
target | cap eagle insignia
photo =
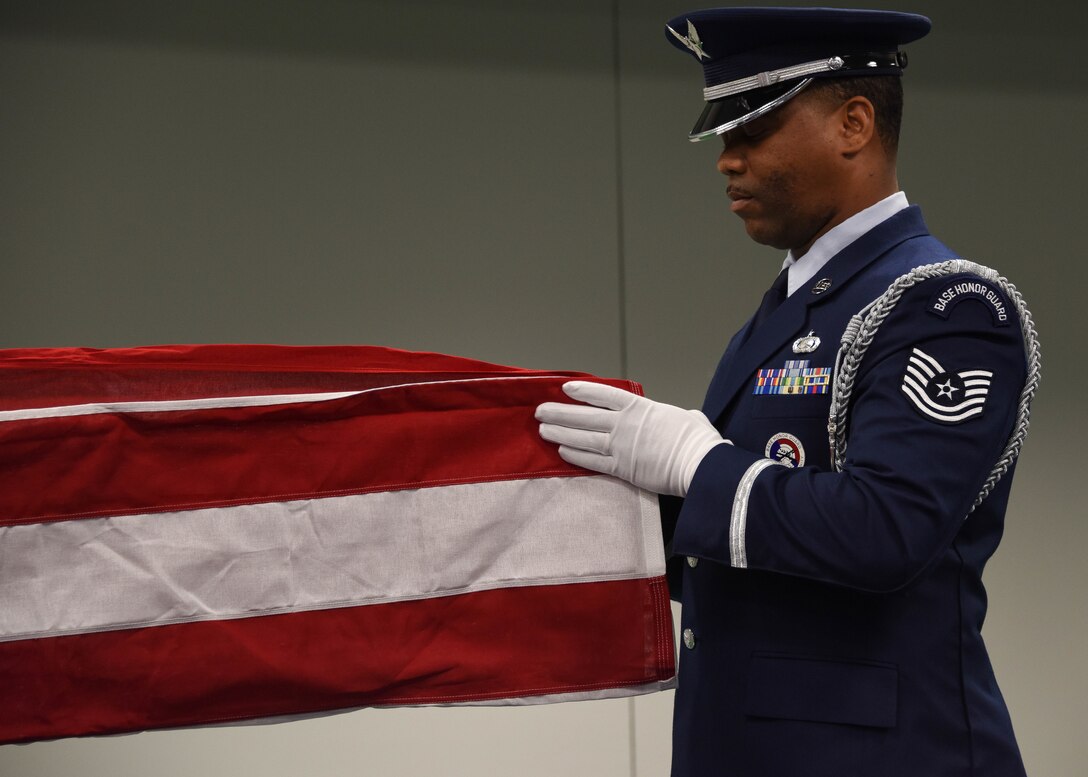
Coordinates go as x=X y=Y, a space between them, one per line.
x=691 y=41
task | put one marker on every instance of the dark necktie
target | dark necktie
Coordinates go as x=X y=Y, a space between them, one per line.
x=774 y=297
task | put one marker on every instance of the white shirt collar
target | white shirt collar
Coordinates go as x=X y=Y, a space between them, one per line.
x=802 y=270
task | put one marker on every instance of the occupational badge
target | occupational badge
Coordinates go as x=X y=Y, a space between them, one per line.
x=943 y=396
x=806 y=344
x=786 y=449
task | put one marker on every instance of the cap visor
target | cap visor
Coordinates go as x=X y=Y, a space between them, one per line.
x=720 y=116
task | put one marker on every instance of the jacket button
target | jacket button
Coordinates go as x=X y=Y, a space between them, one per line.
x=693 y=562
x=689 y=639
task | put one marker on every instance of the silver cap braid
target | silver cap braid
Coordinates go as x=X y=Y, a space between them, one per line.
x=863 y=327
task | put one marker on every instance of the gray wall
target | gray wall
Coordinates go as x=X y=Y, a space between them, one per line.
x=508 y=181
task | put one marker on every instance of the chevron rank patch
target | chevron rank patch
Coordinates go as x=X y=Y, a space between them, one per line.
x=943 y=396
x=794 y=378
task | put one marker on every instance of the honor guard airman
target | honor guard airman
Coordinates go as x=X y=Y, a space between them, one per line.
x=831 y=507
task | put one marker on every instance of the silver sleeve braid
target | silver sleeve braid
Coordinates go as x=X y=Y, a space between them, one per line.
x=862 y=329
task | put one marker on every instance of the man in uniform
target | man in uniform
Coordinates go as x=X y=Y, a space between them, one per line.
x=831 y=599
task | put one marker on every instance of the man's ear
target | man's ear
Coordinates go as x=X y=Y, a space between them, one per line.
x=856 y=124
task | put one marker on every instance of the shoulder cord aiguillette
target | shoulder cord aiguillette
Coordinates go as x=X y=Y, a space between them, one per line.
x=862 y=329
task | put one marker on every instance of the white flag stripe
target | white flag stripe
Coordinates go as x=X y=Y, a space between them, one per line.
x=606 y=693
x=918 y=394
x=242 y=561
x=507 y=701
x=212 y=403
x=158 y=406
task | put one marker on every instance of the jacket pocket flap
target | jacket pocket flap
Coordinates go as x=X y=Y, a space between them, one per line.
x=791 y=406
x=819 y=690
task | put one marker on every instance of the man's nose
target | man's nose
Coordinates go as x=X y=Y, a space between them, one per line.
x=731 y=161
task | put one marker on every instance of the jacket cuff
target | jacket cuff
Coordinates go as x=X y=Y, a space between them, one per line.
x=713 y=521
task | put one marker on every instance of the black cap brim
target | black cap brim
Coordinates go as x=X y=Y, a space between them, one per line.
x=720 y=116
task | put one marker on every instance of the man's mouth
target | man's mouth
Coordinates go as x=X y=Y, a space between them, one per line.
x=739 y=196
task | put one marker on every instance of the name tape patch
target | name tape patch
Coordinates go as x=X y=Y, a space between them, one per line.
x=955 y=292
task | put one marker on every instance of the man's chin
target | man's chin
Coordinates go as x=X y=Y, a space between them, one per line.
x=765 y=234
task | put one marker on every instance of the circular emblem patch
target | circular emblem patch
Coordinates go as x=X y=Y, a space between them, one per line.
x=786 y=449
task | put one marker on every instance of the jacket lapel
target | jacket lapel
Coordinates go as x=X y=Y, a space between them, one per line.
x=743 y=357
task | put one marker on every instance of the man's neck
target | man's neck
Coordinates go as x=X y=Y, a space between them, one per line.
x=864 y=197
x=834 y=240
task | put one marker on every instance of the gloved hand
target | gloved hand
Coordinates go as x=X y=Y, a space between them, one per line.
x=650 y=444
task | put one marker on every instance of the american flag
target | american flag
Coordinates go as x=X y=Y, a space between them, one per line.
x=202 y=534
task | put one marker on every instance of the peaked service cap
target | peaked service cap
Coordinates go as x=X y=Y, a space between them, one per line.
x=755 y=59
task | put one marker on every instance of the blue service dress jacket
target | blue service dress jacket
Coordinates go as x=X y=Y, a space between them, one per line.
x=831 y=621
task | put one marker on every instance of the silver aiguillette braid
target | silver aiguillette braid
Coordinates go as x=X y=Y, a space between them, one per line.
x=862 y=329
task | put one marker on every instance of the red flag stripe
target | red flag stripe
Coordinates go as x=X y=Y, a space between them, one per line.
x=104 y=407
x=509 y=643
x=407 y=437
x=44 y=377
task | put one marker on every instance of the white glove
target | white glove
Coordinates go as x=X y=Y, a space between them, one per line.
x=655 y=446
